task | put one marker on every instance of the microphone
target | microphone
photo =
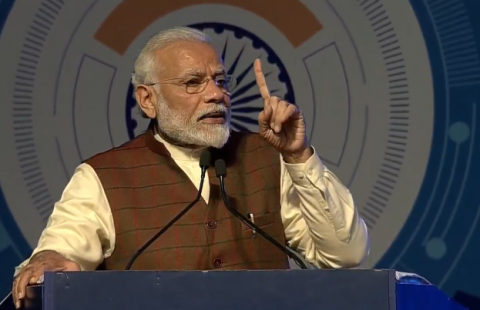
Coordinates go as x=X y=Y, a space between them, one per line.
x=205 y=159
x=221 y=172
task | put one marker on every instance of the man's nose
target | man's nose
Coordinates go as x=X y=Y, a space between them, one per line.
x=213 y=93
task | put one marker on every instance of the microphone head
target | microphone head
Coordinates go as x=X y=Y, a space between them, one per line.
x=205 y=159
x=220 y=168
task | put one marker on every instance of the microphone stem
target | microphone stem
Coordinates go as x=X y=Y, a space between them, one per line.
x=285 y=249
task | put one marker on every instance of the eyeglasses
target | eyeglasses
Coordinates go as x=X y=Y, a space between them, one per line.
x=196 y=85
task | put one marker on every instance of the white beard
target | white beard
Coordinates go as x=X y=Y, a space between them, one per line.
x=189 y=131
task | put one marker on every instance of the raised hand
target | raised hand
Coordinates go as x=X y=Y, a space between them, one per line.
x=281 y=123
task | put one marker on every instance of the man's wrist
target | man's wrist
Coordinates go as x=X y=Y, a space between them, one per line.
x=47 y=253
x=298 y=158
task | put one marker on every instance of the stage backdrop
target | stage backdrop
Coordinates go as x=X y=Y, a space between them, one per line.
x=389 y=88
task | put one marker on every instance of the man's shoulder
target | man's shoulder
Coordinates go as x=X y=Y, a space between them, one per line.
x=112 y=156
x=250 y=141
x=250 y=150
x=249 y=137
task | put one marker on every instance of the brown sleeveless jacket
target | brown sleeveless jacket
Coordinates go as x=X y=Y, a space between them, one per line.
x=146 y=189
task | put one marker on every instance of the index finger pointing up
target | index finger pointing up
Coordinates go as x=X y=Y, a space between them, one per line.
x=261 y=83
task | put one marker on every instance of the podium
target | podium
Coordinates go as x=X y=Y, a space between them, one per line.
x=355 y=289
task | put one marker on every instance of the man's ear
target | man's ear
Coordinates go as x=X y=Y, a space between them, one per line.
x=146 y=99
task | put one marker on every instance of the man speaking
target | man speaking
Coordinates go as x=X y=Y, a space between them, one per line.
x=117 y=200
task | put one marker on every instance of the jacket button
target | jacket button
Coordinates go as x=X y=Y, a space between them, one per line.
x=212 y=224
x=217 y=263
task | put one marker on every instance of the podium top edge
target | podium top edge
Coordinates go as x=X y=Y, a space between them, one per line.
x=230 y=271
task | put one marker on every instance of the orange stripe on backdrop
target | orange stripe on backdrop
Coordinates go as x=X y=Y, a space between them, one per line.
x=131 y=17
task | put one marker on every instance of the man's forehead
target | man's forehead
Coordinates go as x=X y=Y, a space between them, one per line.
x=191 y=58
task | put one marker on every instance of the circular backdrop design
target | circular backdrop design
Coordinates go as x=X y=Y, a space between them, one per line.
x=389 y=89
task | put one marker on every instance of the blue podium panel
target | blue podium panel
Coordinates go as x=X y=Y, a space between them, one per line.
x=279 y=290
x=422 y=297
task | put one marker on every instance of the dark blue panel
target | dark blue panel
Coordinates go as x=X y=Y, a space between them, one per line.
x=8 y=258
x=467 y=300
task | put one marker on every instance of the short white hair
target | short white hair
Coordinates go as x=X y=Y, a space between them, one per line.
x=145 y=65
